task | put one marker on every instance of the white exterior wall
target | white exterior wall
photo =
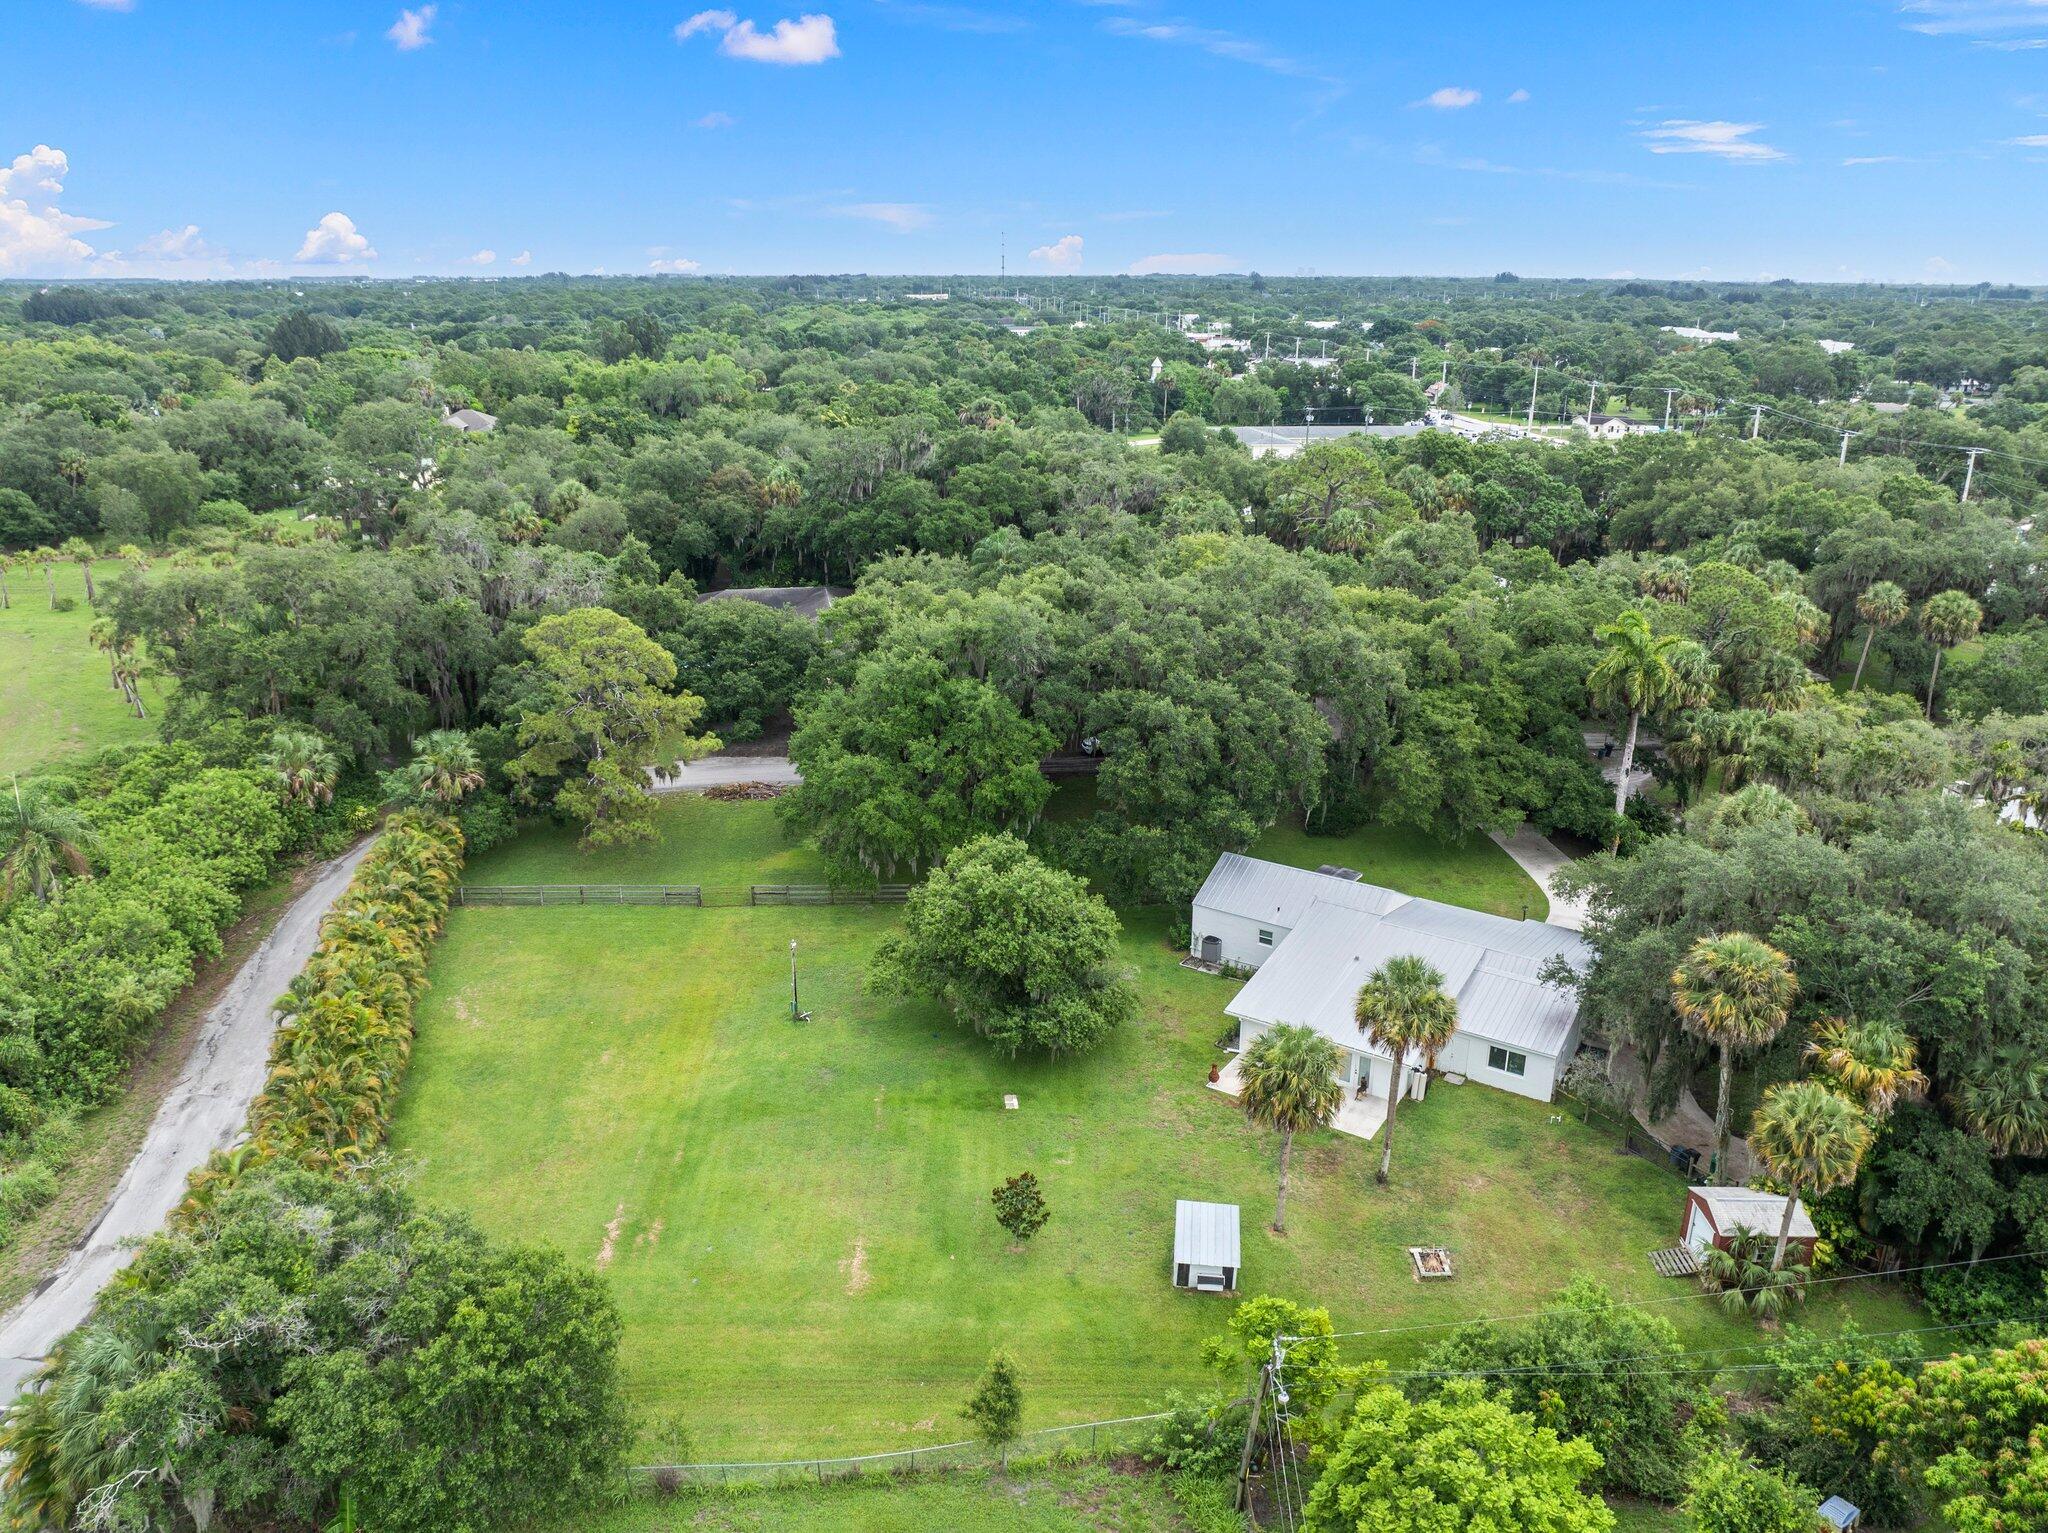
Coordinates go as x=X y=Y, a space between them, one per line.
x=1239 y=936
x=1357 y=1061
x=1466 y=1055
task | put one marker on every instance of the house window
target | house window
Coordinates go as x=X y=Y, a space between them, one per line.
x=1508 y=1060
x=1265 y=938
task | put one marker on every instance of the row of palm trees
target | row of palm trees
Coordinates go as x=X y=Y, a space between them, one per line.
x=72 y=551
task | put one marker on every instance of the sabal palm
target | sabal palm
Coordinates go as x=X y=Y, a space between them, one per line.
x=1947 y=620
x=1778 y=681
x=1288 y=1082
x=445 y=766
x=303 y=765
x=1883 y=605
x=1633 y=675
x=42 y=842
x=1402 y=1007
x=82 y=554
x=1667 y=579
x=1811 y=1139
x=2006 y=1104
x=46 y=556
x=1875 y=1063
x=1736 y=992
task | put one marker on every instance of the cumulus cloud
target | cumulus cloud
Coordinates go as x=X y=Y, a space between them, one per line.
x=1063 y=254
x=1728 y=140
x=1516 y=98
x=177 y=245
x=715 y=120
x=480 y=258
x=525 y=257
x=900 y=216
x=1450 y=98
x=674 y=263
x=809 y=39
x=1205 y=264
x=1938 y=266
x=334 y=241
x=35 y=233
x=410 y=30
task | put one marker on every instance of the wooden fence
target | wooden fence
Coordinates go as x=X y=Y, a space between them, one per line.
x=678 y=894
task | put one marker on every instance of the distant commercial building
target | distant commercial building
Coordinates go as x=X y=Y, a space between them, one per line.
x=1707 y=337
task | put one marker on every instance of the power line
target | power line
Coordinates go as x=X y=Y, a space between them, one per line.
x=1680 y=1298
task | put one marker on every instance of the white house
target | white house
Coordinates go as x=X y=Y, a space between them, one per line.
x=1314 y=939
x=1611 y=428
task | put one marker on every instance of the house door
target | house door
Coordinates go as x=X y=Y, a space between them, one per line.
x=1212 y=950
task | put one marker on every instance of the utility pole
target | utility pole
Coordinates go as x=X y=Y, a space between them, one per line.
x=1756 y=423
x=1251 y=1438
x=1532 y=395
x=1970 y=473
x=1668 y=394
x=1591 y=395
x=1308 y=419
x=796 y=1013
x=1843 y=459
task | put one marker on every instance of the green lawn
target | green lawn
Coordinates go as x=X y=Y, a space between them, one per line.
x=795 y=1218
x=1085 y=1498
x=699 y=841
x=56 y=698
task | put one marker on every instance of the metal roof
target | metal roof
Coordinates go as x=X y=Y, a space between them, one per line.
x=1205 y=1234
x=1272 y=891
x=804 y=601
x=1837 y=1512
x=1492 y=966
x=1752 y=1210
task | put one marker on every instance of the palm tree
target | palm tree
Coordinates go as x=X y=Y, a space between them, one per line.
x=82 y=554
x=1779 y=681
x=1635 y=677
x=1810 y=624
x=1401 y=1007
x=304 y=767
x=444 y=767
x=1810 y=1139
x=1883 y=605
x=1735 y=991
x=2006 y=1105
x=1947 y=620
x=42 y=843
x=1289 y=1083
x=1668 y=579
x=46 y=556
x=1873 y=1062
x=132 y=556
x=6 y=564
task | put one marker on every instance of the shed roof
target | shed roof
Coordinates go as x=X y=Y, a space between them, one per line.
x=1205 y=1234
x=1838 y=1513
x=804 y=601
x=1342 y=931
x=1753 y=1210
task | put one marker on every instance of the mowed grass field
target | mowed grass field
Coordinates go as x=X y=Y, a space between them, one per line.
x=56 y=697
x=795 y=1217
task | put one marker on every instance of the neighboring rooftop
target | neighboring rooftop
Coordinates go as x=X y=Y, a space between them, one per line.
x=804 y=601
x=469 y=420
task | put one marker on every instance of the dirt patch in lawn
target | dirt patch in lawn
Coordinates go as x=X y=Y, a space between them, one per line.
x=856 y=1266
x=611 y=1237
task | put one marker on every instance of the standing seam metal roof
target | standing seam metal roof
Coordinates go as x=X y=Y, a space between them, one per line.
x=1205 y=1234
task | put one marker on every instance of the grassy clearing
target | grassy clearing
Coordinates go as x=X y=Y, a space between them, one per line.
x=1085 y=1498
x=698 y=841
x=56 y=699
x=795 y=1219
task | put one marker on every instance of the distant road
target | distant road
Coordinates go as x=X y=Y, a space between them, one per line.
x=205 y=1111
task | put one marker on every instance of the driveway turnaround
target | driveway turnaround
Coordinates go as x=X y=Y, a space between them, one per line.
x=205 y=1111
x=721 y=771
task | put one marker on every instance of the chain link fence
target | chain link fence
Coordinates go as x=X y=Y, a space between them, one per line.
x=693 y=895
x=1083 y=1439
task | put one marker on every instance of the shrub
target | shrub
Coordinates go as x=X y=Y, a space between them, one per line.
x=1020 y=1206
x=1994 y=1295
x=1202 y=1434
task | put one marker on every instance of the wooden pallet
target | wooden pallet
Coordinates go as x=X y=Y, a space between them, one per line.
x=1679 y=1261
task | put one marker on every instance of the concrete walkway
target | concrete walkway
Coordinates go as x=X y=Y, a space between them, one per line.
x=722 y=770
x=1536 y=855
x=205 y=1111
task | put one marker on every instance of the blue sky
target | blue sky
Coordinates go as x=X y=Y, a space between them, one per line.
x=1905 y=140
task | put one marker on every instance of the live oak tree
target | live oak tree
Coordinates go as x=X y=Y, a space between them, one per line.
x=1020 y=952
x=597 y=715
x=910 y=761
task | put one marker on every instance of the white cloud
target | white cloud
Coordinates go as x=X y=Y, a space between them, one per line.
x=1224 y=45
x=900 y=216
x=334 y=241
x=524 y=258
x=2030 y=141
x=1875 y=159
x=1063 y=254
x=715 y=120
x=410 y=30
x=1450 y=98
x=1516 y=98
x=675 y=264
x=1201 y=265
x=108 y=5
x=1939 y=266
x=2013 y=44
x=1973 y=17
x=37 y=235
x=480 y=258
x=1728 y=140
x=177 y=245
x=809 y=39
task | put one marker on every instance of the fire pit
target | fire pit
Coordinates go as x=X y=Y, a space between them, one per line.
x=1431 y=1262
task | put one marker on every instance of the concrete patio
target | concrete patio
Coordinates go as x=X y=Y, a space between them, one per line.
x=1360 y=1118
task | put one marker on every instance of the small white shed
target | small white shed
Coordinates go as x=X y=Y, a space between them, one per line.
x=1205 y=1249
x=1714 y=1214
